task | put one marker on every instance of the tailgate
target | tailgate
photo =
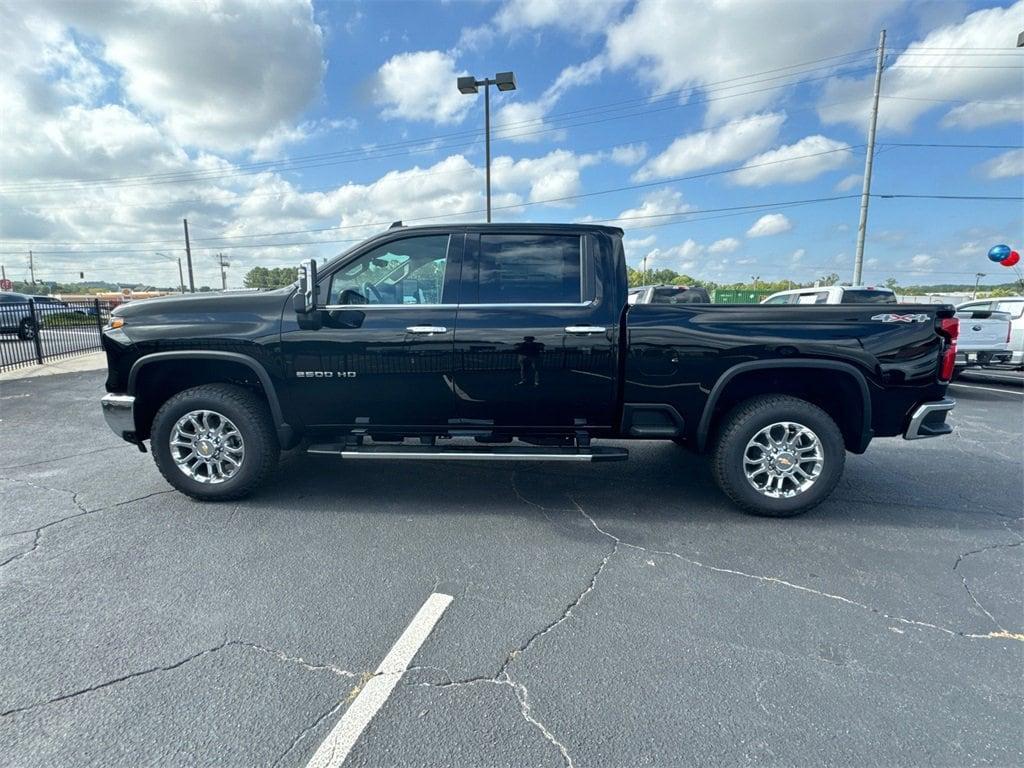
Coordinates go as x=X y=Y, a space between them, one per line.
x=982 y=329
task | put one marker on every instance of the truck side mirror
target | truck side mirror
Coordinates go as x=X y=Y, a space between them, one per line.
x=305 y=299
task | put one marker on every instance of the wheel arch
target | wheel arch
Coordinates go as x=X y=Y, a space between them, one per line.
x=755 y=377
x=170 y=372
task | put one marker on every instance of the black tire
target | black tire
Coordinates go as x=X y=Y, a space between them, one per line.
x=740 y=426
x=27 y=329
x=248 y=413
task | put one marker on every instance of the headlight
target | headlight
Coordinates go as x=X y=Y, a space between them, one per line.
x=115 y=322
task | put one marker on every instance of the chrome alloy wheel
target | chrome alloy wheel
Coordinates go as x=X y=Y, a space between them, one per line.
x=783 y=460
x=207 y=447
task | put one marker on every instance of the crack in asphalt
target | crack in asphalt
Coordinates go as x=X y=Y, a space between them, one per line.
x=69 y=456
x=82 y=511
x=226 y=643
x=1003 y=632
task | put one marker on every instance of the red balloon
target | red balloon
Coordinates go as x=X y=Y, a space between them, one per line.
x=1011 y=260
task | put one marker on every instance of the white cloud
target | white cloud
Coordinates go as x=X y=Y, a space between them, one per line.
x=1006 y=165
x=797 y=256
x=549 y=177
x=421 y=86
x=674 y=45
x=728 y=143
x=725 y=245
x=220 y=78
x=629 y=154
x=637 y=247
x=523 y=120
x=576 y=16
x=928 y=72
x=979 y=114
x=770 y=224
x=661 y=203
x=922 y=260
x=849 y=182
x=807 y=159
x=681 y=258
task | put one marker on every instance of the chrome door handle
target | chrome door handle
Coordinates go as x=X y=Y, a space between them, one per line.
x=585 y=329
x=427 y=329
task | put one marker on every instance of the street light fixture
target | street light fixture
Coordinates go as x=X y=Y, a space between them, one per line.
x=181 y=275
x=506 y=81
x=977 y=279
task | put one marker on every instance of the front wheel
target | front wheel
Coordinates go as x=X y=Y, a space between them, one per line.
x=214 y=442
x=778 y=456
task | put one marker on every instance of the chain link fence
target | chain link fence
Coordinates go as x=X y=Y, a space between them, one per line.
x=41 y=329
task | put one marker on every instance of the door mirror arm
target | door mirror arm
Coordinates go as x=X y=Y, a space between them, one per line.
x=306 y=296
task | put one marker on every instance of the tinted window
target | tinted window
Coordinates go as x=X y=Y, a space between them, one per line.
x=783 y=299
x=869 y=297
x=530 y=269
x=408 y=271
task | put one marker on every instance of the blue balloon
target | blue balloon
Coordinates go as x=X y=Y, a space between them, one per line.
x=998 y=252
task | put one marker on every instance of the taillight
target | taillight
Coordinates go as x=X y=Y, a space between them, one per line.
x=949 y=328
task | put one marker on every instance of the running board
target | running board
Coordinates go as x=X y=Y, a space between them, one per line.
x=469 y=453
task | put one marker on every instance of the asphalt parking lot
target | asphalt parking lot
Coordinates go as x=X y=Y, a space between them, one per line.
x=608 y=615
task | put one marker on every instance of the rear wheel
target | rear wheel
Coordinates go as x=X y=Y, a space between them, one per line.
x=214 y=442
x=778 y=456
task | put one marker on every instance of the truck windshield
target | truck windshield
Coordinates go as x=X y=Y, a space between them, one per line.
x=869 y=297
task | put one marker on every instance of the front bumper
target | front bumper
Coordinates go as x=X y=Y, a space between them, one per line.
x=929 y=420
x=119 y=411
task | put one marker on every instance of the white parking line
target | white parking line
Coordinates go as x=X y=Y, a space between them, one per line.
x=989 y=389
x=335 y=748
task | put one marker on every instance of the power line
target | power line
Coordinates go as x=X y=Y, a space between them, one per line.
x=347 y=156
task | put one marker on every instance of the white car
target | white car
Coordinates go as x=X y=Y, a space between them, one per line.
x=833 y=294
x=1014 y=307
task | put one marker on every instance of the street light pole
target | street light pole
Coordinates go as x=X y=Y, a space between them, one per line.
x=181 y=275
x=977 y=279
x=506 y=81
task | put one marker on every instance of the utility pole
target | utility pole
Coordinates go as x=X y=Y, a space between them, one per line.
x=222 y=261
x=188 y=256
x=869 y=161
x=31 y=268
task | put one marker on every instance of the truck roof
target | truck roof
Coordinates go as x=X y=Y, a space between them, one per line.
x=512 y=226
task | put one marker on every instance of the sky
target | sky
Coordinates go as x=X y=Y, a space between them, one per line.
x=727 y=138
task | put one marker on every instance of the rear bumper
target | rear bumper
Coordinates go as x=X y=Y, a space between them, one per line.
x=119 y=411
x=984 y=357
x=929 y=420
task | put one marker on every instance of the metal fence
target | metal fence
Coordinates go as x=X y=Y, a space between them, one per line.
x=44 y=329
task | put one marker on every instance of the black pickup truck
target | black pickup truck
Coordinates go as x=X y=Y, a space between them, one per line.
x=516 y=342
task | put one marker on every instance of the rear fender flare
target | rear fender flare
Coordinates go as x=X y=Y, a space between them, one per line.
x=704 y=427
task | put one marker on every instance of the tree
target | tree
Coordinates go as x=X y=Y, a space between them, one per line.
x=278 y=277
x=891 y=284
x=830 y=279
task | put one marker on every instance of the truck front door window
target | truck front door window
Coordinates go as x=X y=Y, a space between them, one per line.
x=409 y=271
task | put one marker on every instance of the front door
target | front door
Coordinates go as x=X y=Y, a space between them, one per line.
x=535 y=346
x=383 y=353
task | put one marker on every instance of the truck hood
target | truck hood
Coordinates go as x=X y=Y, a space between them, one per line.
x=206 y=303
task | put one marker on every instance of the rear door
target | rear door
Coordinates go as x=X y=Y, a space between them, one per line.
x=536 y=335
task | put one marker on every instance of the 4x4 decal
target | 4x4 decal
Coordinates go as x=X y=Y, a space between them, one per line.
x=891 y=318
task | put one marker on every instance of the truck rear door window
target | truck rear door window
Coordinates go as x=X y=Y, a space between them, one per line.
x=530 y=269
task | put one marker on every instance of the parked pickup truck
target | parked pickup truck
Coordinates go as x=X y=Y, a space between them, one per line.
x=516 y=342
x=984 y=338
